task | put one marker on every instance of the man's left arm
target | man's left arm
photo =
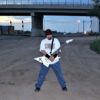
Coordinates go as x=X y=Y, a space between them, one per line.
x=57 y=48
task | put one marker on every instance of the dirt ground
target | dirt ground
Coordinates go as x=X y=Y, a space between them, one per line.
x=18 y=70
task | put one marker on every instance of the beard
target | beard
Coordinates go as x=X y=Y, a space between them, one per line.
x=49 y=38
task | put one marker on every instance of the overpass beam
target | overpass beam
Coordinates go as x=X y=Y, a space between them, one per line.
x=37 y=24
x=99 y=25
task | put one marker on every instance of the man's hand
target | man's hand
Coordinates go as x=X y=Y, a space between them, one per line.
x=51 y=58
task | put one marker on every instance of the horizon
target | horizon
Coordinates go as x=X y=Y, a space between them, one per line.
x=56 y=23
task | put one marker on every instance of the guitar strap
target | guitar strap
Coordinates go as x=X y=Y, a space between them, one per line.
x=52 y=46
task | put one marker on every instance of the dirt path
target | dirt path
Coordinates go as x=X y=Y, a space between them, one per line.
x=18 y=70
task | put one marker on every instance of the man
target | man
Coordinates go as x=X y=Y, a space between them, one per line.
x=48 y=45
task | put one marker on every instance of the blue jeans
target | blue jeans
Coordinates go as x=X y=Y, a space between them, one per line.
x=44 y=70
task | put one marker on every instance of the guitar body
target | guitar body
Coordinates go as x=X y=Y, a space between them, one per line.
x=45 y=60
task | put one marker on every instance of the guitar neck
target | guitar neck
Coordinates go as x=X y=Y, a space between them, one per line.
x=56 y=52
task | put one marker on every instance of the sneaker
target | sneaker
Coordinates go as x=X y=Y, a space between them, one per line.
x=37 y=89
x=64 y=88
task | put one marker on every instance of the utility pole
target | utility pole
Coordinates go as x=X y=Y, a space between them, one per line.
x=80 y=2
x=99 y=26
x=83 y=26
x=22 y=25
x=6 y=2
x=91 y=24
x=78 y=21
x=10 y=23
x=14 y=1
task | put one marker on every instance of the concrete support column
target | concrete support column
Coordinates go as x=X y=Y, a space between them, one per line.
x=99 y=25
x=37 y=24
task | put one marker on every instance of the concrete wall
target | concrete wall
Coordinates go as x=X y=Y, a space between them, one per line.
x=95 y=24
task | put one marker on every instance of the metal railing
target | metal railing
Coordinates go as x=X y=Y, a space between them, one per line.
x=19 y=2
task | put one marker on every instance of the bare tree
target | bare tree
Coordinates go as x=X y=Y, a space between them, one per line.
x=96 y=9
x=96 y=1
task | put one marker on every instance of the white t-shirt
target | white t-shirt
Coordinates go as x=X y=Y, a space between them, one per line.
x=46 y=45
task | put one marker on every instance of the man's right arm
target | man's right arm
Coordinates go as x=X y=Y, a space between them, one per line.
x=51 y=58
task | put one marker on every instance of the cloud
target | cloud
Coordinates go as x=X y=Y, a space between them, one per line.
x=27 y=20
x=7 y=19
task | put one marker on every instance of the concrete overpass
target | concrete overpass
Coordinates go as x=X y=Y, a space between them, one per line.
x=37 y=11
x=48 y=9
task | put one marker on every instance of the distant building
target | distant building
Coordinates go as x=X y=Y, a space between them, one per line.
x=94 y=24
x=6 y=30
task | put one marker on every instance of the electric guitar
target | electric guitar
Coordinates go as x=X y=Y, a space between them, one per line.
x=46 y=61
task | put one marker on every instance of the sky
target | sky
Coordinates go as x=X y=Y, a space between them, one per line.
x=43 y=1
x=57 y=23
x=67 y=23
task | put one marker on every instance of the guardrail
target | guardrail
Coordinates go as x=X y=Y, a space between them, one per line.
x=87 y=6
x=19 y=2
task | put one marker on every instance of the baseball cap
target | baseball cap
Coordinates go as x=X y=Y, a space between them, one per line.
x=48 y=32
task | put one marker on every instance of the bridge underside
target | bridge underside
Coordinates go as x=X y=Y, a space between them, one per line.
x=46 y=9
x=38 y=11
x=45 y=13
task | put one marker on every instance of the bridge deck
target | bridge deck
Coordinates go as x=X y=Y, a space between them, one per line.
x=53 y=9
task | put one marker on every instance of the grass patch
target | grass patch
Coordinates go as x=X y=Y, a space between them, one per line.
x=95 y=46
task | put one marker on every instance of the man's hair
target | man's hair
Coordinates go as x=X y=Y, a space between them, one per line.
x=48 y=32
